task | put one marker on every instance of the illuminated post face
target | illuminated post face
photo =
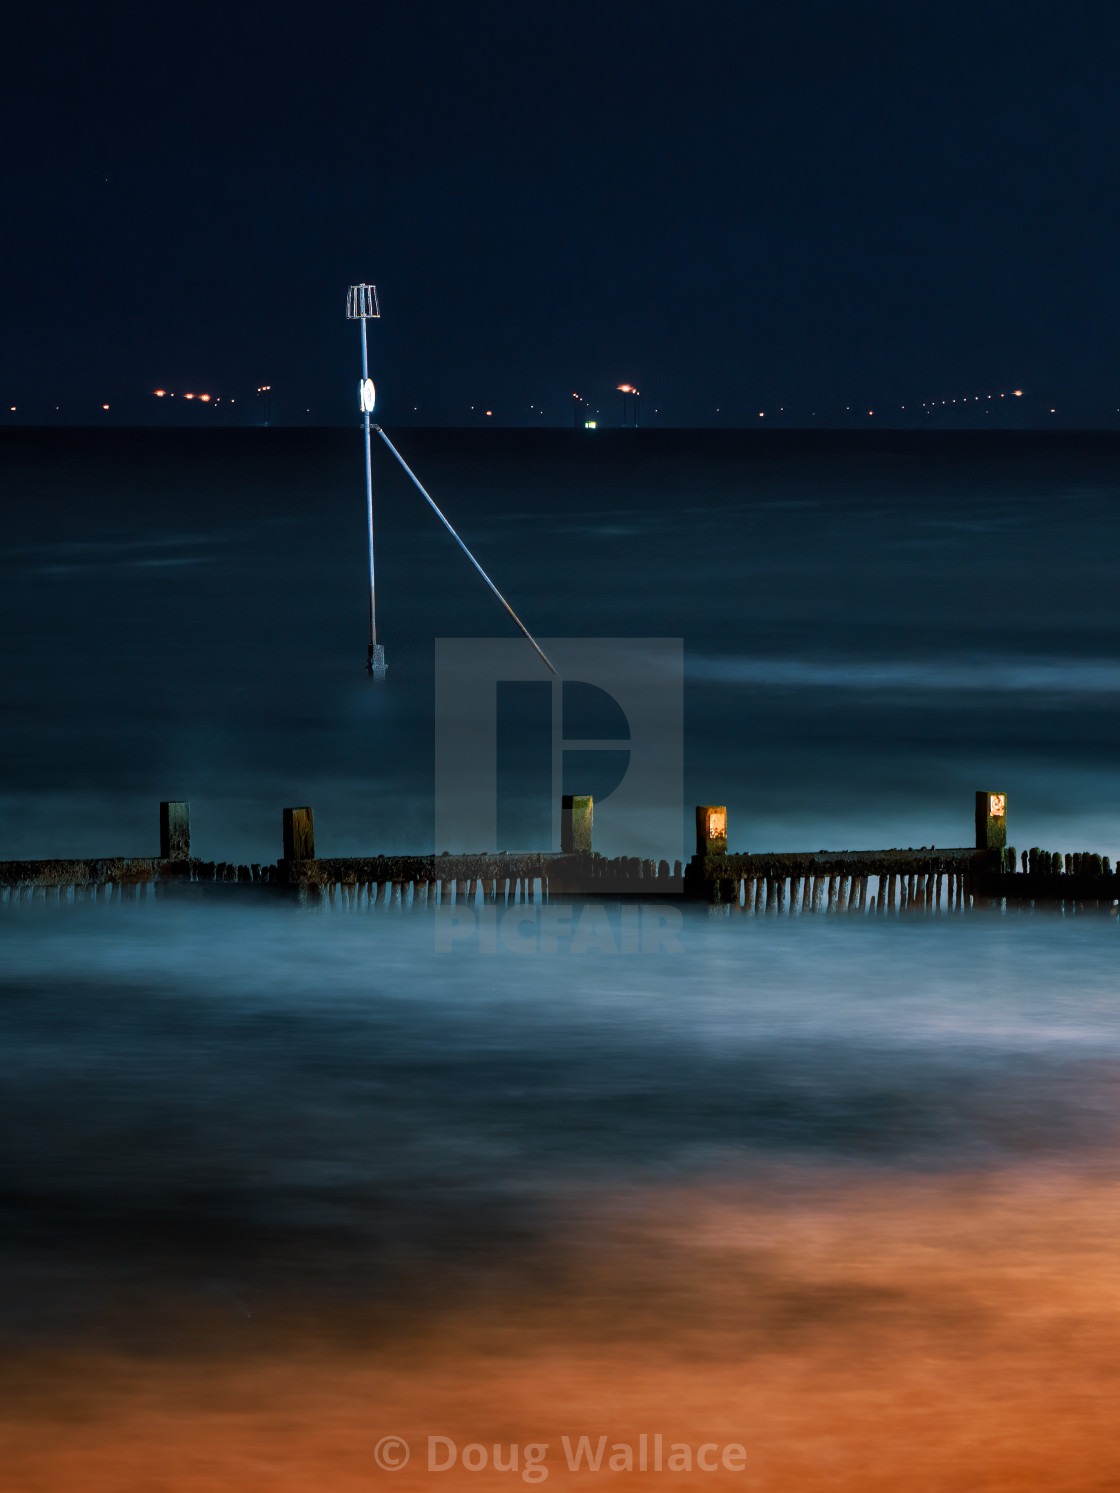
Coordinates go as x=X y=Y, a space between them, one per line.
x=576 y=819
x=299 y=835
x=991 y=821
x=711 y=829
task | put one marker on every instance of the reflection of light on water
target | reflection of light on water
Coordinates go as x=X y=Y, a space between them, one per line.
x=1007 y=675
x=851 y=1330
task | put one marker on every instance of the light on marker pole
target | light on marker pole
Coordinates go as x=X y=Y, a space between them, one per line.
x=361 y=306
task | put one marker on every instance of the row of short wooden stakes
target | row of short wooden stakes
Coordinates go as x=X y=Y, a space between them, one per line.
x=927 y=878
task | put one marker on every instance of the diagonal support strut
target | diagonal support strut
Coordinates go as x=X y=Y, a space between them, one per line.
x=435 y=509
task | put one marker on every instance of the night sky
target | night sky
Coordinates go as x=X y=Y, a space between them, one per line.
x=809 y=209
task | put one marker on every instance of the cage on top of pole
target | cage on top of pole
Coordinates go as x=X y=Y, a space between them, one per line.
x=361 y=303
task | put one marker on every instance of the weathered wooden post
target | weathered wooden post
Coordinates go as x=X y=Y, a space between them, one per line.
x=174 y=831
x=299 y=835
x=711 y=844
x=991 y=821
x=577 y=816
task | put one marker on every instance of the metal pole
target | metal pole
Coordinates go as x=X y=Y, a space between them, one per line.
x=369 y=514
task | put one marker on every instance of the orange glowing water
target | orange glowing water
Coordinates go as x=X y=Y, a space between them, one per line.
x=850 y=1331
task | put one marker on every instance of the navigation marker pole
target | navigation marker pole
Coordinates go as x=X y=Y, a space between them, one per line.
x=361 y=306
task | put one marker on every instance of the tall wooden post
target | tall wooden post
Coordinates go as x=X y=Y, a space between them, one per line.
x=174 y=830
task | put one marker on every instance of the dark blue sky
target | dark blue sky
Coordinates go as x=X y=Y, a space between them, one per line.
x=734 y=206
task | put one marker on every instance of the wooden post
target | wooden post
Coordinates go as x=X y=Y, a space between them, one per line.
x=711 y=829
x=991 y=821
x=174 y=831
x=577 y=813
x=299 y=835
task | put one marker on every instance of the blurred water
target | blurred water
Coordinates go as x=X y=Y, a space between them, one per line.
x=290 y=1102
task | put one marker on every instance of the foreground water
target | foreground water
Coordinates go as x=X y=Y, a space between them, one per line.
x=278 y=1185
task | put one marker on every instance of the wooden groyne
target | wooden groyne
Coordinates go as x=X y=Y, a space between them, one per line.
x=929 y=879
x=852 y=882
x=350 y=881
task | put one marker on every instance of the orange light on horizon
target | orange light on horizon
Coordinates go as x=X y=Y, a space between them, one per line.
x=105 y=407
x=1018 y=393
x=205 y=398
x=626 y=389
x=160 y=393
x=188 y=396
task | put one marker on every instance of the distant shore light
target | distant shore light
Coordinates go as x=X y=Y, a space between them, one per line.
x=1018 y=393
x=160 y=393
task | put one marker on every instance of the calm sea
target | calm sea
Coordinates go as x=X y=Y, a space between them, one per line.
x=873 y=627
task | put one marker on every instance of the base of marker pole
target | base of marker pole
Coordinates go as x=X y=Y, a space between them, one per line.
x=376 y=667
